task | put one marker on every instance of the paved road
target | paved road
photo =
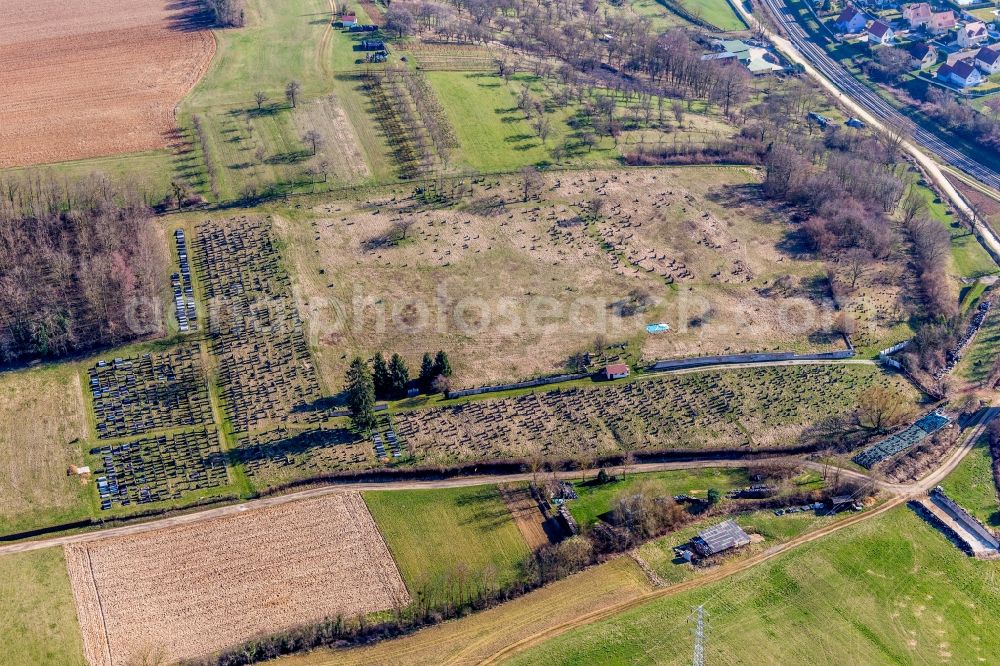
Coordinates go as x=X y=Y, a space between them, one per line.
x=874 y=104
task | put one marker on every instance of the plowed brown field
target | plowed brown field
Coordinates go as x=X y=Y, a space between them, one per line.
x=85 y=78
x=190 y=590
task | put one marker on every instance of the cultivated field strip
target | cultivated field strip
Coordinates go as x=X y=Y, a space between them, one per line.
x=86 y=78
x=195 y=589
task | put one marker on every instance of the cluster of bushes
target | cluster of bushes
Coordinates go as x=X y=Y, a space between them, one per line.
x=963 y=119
x=228 y=13
x=80 y=266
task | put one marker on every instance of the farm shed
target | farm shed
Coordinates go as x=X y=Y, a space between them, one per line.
x=719 y=538
x=616 y=371
x=372 y=45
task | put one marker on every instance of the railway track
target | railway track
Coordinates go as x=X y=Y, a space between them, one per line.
x=870 y=100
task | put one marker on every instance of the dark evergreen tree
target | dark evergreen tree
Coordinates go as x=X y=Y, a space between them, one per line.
x=399 y=376
x=380 y=377
x=427 y=373
x=361 y=395
x=442 y=366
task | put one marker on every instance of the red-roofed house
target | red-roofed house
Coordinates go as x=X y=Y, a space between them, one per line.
x=851 y=20
x=917 y=14
x=349 y=20
x=941 y=22
x=880 y=33
x=616 y=371
x=988 y=60
x=962 y=74
x=972 y=34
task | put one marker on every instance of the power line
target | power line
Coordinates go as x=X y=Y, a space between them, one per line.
x=699 y=636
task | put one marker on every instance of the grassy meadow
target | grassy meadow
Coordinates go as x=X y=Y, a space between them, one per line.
x=443 y=539
x=38 y=616
x=477 y=636
x=891 y=590
x=44 y=421
x=597 y=499
x=972 y=485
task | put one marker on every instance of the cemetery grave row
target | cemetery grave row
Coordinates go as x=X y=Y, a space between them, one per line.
x=180 y=283
x=159 y=467
x=283 y=454
x=731 y=408
x=152 y=391
x=265 y=369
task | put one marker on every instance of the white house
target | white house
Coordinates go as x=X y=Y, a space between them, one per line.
x=972 y=34
x=962 y=74
x=988 y=60
x=917 y=14
x=851 y=20
x=880 y=33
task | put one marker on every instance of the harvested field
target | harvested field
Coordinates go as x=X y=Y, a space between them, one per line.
x=43 y=420
x=86 y=78
x=262 y=571
x=537 y=528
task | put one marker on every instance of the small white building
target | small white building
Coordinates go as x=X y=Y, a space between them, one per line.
x=962 y=74
x=851 y=20
x=988 y=60
x=880 y=33
x=972 y=34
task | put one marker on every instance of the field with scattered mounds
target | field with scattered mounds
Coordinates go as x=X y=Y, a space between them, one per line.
x=889 y=590
x=37 y=613
x=471 y=639
x=88 y=79
x=44 y=419
x=449 y=542
x=511 y=289
x=258 y=572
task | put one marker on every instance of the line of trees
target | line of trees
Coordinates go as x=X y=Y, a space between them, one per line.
x=81 y=266
x=390 y=381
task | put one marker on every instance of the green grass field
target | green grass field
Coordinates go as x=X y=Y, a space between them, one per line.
x=979 y=357
x=598 y=499
x=493 y=133
x=969 y=258
x=972 y=486
x=442 y=539
x=888 y=591
x=45 y=420
x=38 y=616
x=717 y=12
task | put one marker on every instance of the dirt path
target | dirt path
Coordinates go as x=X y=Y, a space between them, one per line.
x=324 y=43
